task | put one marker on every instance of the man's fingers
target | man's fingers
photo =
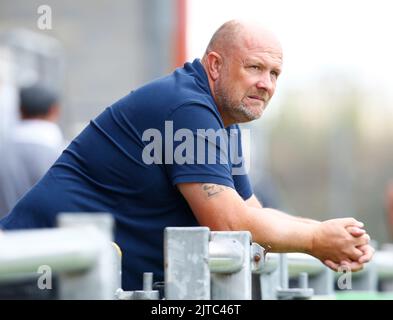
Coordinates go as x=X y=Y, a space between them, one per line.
x=355 y=254
x=368 y=253
x=362 y=240
x=356 y=231
x=352 y=222
x=331 y=265
x=353 y=266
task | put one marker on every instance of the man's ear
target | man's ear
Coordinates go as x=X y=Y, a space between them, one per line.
x=214 y=64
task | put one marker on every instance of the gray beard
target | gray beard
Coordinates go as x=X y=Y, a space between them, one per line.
x=238 y=112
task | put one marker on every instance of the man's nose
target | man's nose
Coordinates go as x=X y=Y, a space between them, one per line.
x=265 y=82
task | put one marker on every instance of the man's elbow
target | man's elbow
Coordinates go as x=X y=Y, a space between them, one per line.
x=232 y=220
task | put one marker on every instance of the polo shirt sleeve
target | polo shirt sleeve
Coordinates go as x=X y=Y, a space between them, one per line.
x=197 y=155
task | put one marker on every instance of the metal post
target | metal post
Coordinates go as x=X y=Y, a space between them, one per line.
x=104 y=278
x=257 y=266
x=235 y=285
x=225 y=256
x=384 y=265
x=186 y=261
x=284 y=292
x=269 y=277
x=320 y=277
x=323 y=283
x=283 y=271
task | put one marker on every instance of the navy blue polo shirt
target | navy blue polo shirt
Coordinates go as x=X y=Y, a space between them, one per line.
x=128 y=162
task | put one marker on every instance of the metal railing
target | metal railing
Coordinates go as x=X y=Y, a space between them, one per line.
x=199 y=265
x=81 y=253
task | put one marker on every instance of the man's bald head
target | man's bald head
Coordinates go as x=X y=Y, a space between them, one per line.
x=235 y=34
x=225 y=37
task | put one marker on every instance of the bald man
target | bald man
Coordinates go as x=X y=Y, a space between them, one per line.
x=170 y=154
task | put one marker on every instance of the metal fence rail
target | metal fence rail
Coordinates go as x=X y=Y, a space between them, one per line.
x=199 y=264
x=80 y=252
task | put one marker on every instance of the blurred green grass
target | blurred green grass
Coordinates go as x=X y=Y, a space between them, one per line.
x=359 y=295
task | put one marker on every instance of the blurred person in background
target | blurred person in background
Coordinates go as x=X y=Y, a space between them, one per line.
x=34 y=145
x=109 y=166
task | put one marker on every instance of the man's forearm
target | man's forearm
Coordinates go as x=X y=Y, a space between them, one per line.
x=222 y=209
x=254 y=202
x=296 y=218
x=281 y=232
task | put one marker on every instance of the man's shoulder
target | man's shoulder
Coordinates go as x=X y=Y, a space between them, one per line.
x=186 y=84
x=171 y=96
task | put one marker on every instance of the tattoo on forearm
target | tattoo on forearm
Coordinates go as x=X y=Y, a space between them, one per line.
x=212 y=190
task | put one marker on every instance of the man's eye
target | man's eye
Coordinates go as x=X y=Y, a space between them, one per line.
x=254 y=67
x=274 y=74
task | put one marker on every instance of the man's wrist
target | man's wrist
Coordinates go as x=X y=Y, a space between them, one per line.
x=312 y=232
